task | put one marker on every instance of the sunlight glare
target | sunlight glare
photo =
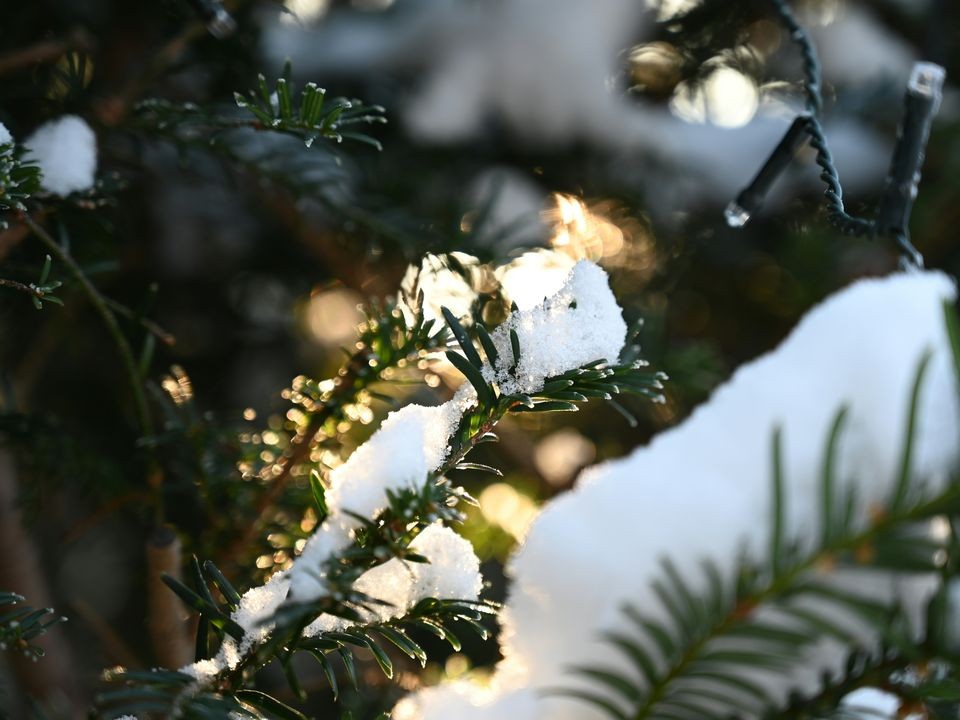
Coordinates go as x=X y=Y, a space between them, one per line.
x=726 y=98
x=304 y=11
x=332 y=316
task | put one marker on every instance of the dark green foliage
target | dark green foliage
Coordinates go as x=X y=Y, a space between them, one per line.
x=19 y=180
x=408 y=511
x=21 y=624
x=309 y=118
x=41 y=291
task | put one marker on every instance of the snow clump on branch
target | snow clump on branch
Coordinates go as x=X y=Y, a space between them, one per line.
x=703 y=490
x=66 y=151
x=579 y=324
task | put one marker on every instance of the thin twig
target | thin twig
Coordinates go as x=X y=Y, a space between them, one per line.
x=53 y=681
x=298 y=452
x=149 y=325
x=28 y=289
x=43 y=52
x=106 y=314
x=123 y=347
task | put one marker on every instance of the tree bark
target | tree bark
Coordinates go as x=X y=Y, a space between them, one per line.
x=168 y=618
x=51 y=681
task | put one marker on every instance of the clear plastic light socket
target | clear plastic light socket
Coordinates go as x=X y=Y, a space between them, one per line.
x=222 y=24
x=735 y=215
x=927 y=80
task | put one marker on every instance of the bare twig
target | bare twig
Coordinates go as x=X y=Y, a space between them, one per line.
x=116 y=649
x=297 y=453
x=149 y=325
x=109 y=319
x=102 y=307
x=28 y=289
x=167 y=617
x=51 y=682
x=44 y=52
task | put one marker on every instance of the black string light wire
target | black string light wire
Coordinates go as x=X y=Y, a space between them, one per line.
x=924 y=92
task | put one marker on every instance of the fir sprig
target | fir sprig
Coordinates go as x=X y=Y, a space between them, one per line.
x=19 y=180
x=309 y=117
x=41 y=291
x=385 y=537
x=387 y=340
x=21 y=624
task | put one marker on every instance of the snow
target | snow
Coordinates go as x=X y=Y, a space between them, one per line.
x=452 y=573
x=203 y=670
x=872 y=703
x=579 y=324
x=532 y=276
x=258 y=604
x=5 y=137
x=702 y=490
x=441 y=287
x=409 y=444
x=306 y=578
x=66 y=151
x=546 y=70
x=465 y=701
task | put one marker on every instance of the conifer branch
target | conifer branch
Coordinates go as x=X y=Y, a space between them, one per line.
x=391 y=533
x=386 y=342
x=687 y=669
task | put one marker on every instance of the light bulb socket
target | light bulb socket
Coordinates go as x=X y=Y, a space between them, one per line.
x=751 y=199
x=924 y=93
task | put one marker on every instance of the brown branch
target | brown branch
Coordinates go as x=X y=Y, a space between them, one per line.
x=44 y=51
x=297 y=452
x=167 y=619
x=52 y=681
x=149 y=325
x=28 y=289
x=116 y=649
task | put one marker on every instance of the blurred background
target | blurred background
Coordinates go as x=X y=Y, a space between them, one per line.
x=522 y=135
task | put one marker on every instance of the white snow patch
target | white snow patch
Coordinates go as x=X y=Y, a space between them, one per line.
x=452 y=573
x=410 y=443
x=872 y=703
x=531 y=277
x=66 y=151
x=581 y=323
x=466 y=701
